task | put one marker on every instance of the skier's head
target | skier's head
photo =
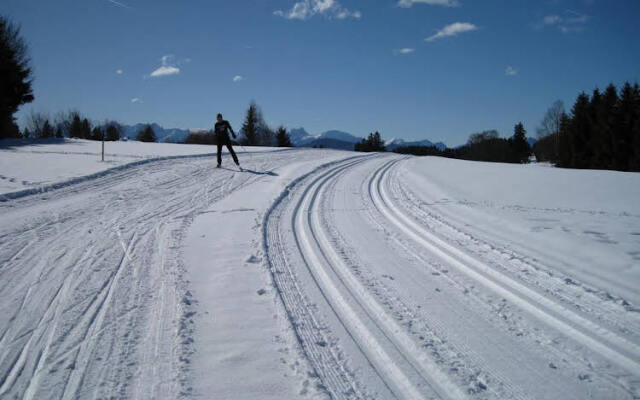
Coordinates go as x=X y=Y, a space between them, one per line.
x=219 y=117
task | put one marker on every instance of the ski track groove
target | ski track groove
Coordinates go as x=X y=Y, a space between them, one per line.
x=598 y=339
x=325 y=361
x=392 y=331
x=590 y=301
x=59 y=343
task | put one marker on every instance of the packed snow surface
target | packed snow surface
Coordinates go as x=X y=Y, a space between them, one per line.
x=313 y=274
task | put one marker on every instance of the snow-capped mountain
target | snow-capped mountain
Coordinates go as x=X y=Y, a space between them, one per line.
x=394 y=143
x=301 y=138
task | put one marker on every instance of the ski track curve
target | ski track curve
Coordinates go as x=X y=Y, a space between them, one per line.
x=352 y=327
x=590 y=333
x=93 y=300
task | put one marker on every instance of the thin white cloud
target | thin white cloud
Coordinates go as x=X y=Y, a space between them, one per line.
x=305 y=9
x=119 y=72
x=445 y=3
x=452 y=30
x=569 y=22
x=118 y=4
x=136 y=100
x=238 y=78
x=406 y=50
x=167 y=68
x=510 y=71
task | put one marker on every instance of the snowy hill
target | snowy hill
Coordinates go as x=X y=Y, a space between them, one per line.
x=313 y=274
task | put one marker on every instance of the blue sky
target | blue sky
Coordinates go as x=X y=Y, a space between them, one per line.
x=436 y=69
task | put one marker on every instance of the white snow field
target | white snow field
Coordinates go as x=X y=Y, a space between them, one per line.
x=316 y=274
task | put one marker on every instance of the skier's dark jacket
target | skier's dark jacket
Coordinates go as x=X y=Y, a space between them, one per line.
x=221 y=130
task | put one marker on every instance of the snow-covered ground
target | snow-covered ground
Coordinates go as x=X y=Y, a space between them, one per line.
x=317 y=274
x=33 y=164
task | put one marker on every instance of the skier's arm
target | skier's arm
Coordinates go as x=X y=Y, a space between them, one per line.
x=231 y=129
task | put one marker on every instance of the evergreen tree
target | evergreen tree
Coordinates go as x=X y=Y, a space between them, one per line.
x=97 y=133
x=267 y=136
x=634 y=164
x=113 y=131
x=146 y=134
x=59 y=133
x=15 y=77
x=85 y=129
x=282 y=137
x=580 y=131
x=47 y=130
x=565 y=154
x=372 y=143
x=520 y=146
x=250 y=126
x=623 y=126
x=75 y=127
x=603 y=132
x=26 y=134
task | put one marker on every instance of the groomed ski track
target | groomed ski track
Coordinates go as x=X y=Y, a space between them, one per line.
x=386 y=302
x=386 y=296
x=94 y=301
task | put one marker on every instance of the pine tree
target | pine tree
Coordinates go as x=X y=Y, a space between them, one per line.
x=267 y=136
x=605 y=115
x=146 y=134
x=565 y=152
x=580 y=133
x=113 y=131
x=15 y=77
x=520 y=146
x=97 y=133
x=634 y=164
x=75 y=127
x=59 y=133
x=623 y=126
x=251 y=125
x=85 y=129
x=47 y=130
x=372 y=143
x=282 y=137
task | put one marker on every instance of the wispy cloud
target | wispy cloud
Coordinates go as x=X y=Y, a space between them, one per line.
x=454 y=29
x=119 y=72
x=167 y=68
x=118 y=4
x=405 y=50
x=445 y=3
x=510 y=71
x=136 y=100
x=238 y=78
x=569 y=22
x=305 y=9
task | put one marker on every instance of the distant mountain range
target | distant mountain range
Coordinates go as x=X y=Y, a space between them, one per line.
x=299 y=138
x=162 y=134
x=345 y=141
x=393 y=144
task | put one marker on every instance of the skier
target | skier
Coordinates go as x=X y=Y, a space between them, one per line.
x=222 y=137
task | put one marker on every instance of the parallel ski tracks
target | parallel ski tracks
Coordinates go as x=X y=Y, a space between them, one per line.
x=608 y=344
x=403 y=367
x=80 y=310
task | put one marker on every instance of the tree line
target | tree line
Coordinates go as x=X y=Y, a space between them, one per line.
x=253 y=132
x=602 y=131
x=482 y=146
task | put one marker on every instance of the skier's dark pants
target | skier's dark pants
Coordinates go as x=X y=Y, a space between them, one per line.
x=226 y=142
